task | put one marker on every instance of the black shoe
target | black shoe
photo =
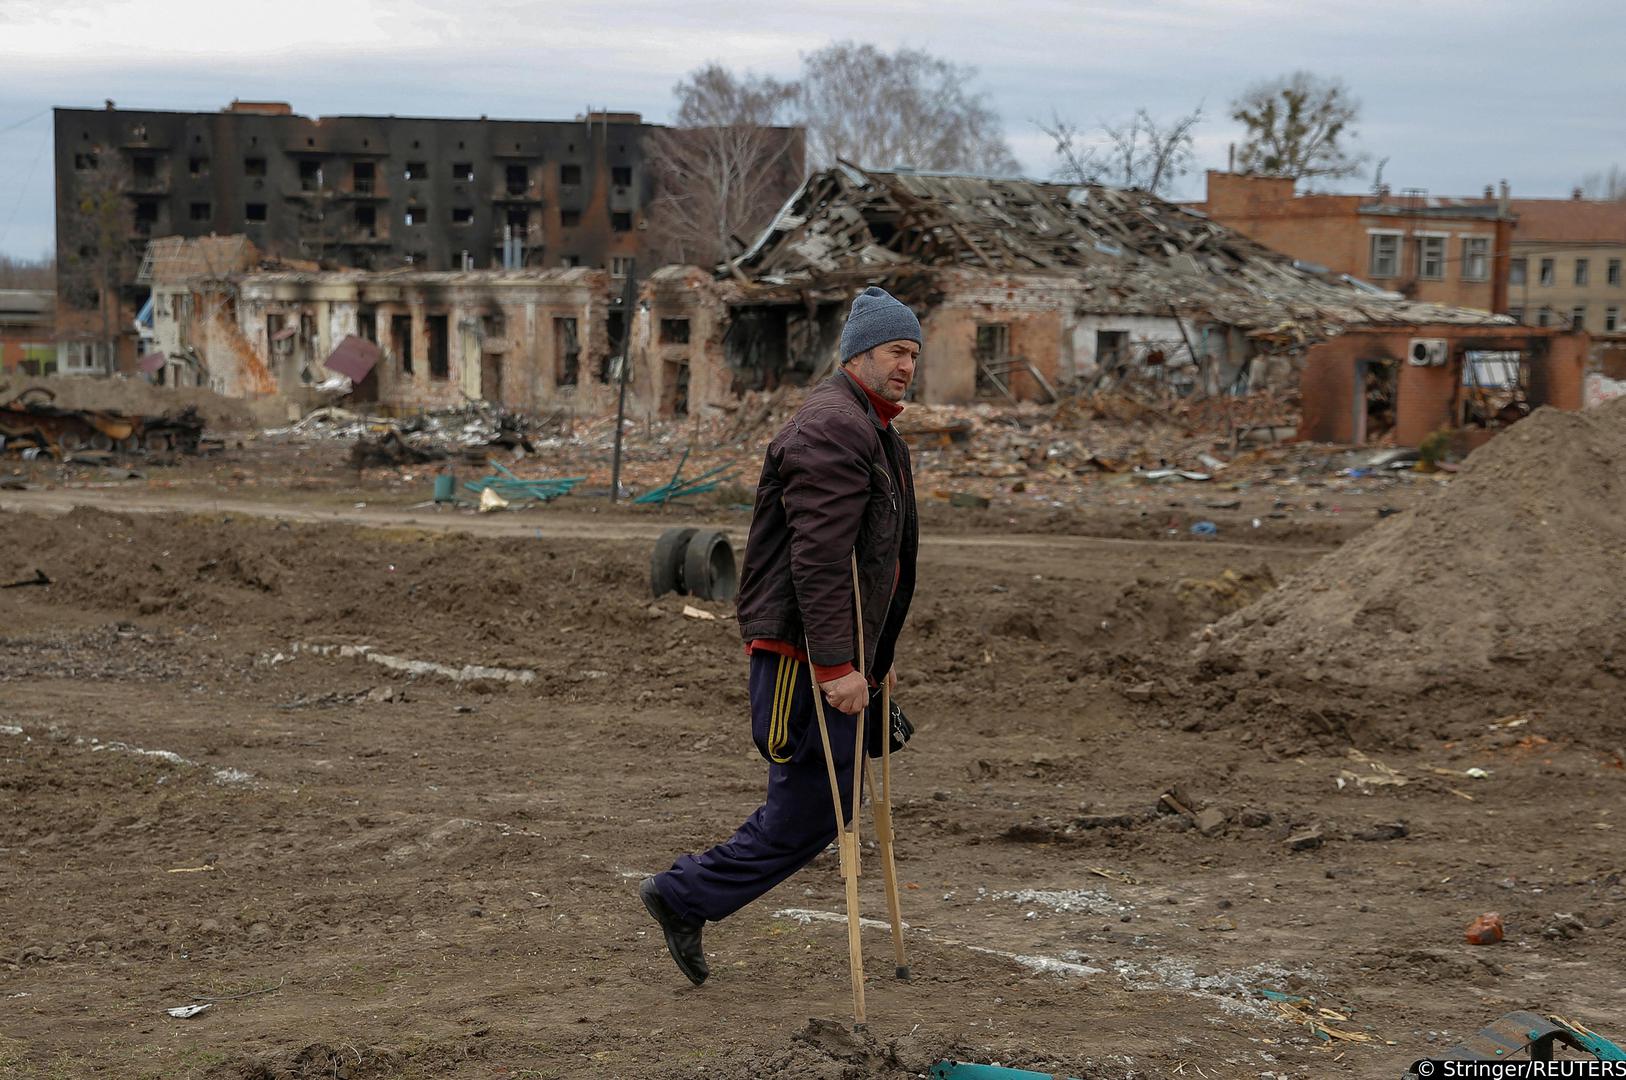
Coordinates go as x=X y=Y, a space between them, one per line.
x=682 y=936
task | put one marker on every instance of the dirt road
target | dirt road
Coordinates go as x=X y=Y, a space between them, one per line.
x=367 y=873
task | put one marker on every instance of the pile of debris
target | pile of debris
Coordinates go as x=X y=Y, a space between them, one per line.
x=381 y=441
x=1513 y=568
x=33 y=426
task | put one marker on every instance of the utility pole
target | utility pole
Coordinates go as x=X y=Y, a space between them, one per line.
x=629 y=293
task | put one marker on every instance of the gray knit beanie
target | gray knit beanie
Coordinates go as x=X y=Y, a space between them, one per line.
x=877 y=318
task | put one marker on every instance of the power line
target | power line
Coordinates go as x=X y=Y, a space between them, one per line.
x=25 y=120
x=22 y=189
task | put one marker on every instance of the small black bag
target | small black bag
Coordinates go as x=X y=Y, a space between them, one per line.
x=898 y=727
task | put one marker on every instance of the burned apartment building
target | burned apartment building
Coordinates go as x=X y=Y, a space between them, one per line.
x=1028 y=290
x=351 y=192
x=532 y=339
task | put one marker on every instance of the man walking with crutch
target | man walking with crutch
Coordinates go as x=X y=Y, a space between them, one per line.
x=828 y=574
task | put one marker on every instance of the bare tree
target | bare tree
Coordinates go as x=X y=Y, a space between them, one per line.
x=1141 y=152
x=1298 y=125
x=723 y=167
x=908 y=108
x=1608 y=184
x=98 y=235
x=28 y=273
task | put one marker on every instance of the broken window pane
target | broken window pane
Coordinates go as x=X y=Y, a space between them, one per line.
x=1431 y=257
x=310 y=175
x=439 y=353
x=1476 y=258
x=361 y=177
x=566 y=351
x=1385 y=261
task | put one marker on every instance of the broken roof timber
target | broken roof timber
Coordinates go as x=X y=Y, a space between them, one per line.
x=1129 y=251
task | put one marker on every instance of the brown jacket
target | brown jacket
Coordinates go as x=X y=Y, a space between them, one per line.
x=834 y=480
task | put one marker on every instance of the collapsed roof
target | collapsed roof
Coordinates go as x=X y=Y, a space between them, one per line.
x=1132 y=252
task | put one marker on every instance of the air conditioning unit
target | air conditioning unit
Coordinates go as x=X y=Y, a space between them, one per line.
x=1426 y=352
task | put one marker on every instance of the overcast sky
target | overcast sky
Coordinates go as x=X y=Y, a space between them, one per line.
x=1455 y=94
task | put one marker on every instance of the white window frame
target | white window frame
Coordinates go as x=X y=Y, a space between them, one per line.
x=1547 y=272
x=618 y=266
x=1484 y=258
x=1583 y=271
x=1611 y=319
x=1393 y=236
x=1443 y=240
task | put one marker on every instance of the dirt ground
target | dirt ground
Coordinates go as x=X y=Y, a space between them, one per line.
x=369 y=872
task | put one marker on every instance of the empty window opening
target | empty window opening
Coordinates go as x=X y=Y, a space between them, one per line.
x=254 y=166
x=621 y=175
x=621 y=221
x=310 y=175
x=367 y=219
x=199 y=211
x=570 y=218
x=367 y=325
x=518 y=219
x=415 y=215
x=674 y=331
x=401 y=341
x=993 y=350
x=462 y=215
x=616 y=326
x=439 y=353
x=570 y=260
x=144 y=168
x=1112 y=350
x=1611 y=319
x=417 y=170
x=570 y=174
x=85 y=161
x=146 y=216
x=361 y=177
x=567 y=352
x=198 y=166
x=517 y=179
x=462 y=170
x=254 y=212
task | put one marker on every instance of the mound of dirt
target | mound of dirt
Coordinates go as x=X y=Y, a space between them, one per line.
x=139 y=397
x=1514 y=574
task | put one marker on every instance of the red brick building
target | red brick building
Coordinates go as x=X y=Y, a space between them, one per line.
x=1444 y=251
x=27 y=330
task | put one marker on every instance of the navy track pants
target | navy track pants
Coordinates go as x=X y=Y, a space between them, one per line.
x=795 y=822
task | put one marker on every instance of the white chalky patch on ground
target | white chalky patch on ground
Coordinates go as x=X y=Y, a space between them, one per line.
x=221 y=776
x=1067 y=901
x=465 y=673
x=1231 y=991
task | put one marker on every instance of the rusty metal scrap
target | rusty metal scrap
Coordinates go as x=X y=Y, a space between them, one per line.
x=1125 y=251
x=32 y=421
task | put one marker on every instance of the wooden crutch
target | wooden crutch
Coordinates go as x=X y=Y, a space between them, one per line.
x=847 y=834
x=883 y=832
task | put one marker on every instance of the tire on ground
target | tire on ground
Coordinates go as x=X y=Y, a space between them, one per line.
x=667 y=562
x=708 y=567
